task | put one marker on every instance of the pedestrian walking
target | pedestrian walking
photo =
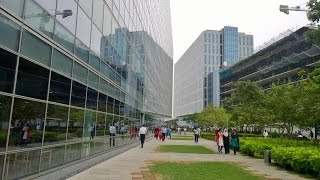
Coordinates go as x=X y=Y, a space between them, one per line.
x=164 y=132
x=220 y=141
x=142 y=134
x=235 y=141
x=311 y=134
x=226 y=141
x=196 y=132
x=112 y=131
x=265 y=133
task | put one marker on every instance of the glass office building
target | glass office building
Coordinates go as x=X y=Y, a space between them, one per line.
x=71 y=68
x=196 y=79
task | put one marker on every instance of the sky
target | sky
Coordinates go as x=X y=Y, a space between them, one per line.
x=261 y=18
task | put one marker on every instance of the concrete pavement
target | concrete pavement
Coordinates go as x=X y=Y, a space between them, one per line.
x=130 y=164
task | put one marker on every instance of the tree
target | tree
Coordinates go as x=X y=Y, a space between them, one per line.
x=213 y=116
x=247 y=105
x=313 y=36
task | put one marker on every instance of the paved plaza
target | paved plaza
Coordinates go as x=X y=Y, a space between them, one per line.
x=131 y=163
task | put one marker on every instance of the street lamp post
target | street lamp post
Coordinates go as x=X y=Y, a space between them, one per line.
x=285 y=9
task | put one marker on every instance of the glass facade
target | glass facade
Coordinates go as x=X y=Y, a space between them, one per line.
x=230 y=44
x=66 y=77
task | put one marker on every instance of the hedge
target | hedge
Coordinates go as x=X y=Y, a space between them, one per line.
x=300 y=156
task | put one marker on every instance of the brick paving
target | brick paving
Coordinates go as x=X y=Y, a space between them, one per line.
x=132 y=164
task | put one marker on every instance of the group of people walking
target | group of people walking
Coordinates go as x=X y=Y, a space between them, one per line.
x=162 y=133
x=223 y=139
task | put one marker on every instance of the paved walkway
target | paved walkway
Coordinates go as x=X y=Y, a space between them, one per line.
x=128 y=165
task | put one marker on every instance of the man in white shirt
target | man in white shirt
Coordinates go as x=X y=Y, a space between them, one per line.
x=142 y=134
x=112 y=131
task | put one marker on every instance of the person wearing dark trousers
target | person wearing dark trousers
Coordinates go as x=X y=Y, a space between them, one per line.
x=142 y=134
x=163 y=131
x=112 y=131
x=235 y=141
x=196 y=131
x=226 y=141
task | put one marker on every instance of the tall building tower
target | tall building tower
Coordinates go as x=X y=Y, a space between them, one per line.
x=201 y=63
x=71 y=68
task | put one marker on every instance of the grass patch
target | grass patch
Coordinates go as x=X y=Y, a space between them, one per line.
x=185 y=149
x=202 y=170
x=182 y=138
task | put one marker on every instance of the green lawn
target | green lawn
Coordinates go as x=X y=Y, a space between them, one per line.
x=202 y=170
x=185 y=149
x=181 y=138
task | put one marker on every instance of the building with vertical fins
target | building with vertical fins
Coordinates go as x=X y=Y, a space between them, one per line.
x=202 y=62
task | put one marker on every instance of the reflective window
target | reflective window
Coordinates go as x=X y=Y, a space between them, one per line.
x=103 y=86
x=35 y=48
x=61 y=63
x=27 y=118
x=63 y=37
x=23 y=163
x=15 y=6
x=92 y=96
x=5 y=107
x=11 y=31
x=82 y=51
x=7 y=70
x=104 y=69
x=38 y=18
x=116 y=107
x=101 y=124
x=102 y=103
x=78 y=97
x=83 y=27
x=86 y=5
x=70 y=21
x=59 y=88
x=89 y=127
x=73 y=152
x=93 y=80
x=56 y=124
x=52 y=157
x=95 y=40
x=94 y=61
x=32 y=80
x=75 y=126
x=110 y=105
x=1 y=164
x=98 y=13
x=80 y=73
x=50 y=6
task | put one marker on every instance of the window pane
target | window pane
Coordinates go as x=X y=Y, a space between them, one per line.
x=38 y=18
x=96 y=37
x=35 y=48
x=82 y=51
x=86 y=5
x=94 y=61
x=63 y=37
x=11 y=31
x=26 y=163
x=110 y=105
x=75 y=128
x=107 y=21
x=32 y=80
x=56 y=124
x=98 y=13
x=78 y=97
x=90 y=121
x=83 y=27
x=92 y=99
x=61 y=63
x=26 y=116
x=70 y=21
x=50 y=6
x=59 y=88
x=80 y=73
x=52 y=157
x=116 y=107
x=15 y=6
x=102 y=104
x=5 y=107
x=100 y=126
x=7 y=70
x=93 y=80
